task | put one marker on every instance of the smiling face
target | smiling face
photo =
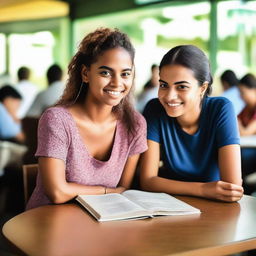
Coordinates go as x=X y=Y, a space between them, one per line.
x=180 y=93
x=110 y=78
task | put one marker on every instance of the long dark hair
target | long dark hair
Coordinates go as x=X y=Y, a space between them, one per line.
x=91 y=47
x=193 y=58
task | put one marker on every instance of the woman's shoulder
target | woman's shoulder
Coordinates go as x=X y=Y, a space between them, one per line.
x=153 y=106
x=139 y=119
x=217 y=103
x=53 y=114
x=217 y=108
x=56 y=111
x=218 y=100
x=154 y=103
x=139 y=125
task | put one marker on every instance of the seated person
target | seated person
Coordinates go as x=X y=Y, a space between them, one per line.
x=10 y=129
x=49 y=96
x=27 y=90
x=90 y=142
x=247 y=118
x=10 y=125
x=229 y=84
x=247 y=123
x=150 y=89
x=196 y=134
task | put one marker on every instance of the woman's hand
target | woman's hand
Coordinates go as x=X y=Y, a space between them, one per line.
x=223 y=191
x=118 y=190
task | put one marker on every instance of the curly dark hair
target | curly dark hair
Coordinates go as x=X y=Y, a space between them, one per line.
x=91 y=47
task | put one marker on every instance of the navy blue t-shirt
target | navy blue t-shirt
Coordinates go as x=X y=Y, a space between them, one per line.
x=193 y=157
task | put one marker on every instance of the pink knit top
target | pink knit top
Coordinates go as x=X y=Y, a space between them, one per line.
x=58 y=137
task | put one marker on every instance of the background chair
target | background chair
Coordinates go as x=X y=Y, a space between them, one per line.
x=29 y=180
x=29 y=127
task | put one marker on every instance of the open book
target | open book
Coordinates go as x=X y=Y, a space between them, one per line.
x=133 y=204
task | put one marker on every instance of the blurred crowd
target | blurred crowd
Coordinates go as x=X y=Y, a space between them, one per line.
x=21 y=105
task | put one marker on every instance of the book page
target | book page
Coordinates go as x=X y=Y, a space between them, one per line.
x=111 y=206
x=160 y=203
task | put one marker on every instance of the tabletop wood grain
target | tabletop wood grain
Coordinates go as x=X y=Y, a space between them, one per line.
x=63 y=230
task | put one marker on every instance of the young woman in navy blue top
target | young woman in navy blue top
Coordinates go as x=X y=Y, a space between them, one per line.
x=196 y=136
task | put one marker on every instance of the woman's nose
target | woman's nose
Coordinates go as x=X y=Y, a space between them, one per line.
x=172 y=94
x=116 y=81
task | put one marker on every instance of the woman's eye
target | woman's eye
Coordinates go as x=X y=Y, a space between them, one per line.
x=105 y=73
x=126 y=74
x=182 y=87
x=163 y=85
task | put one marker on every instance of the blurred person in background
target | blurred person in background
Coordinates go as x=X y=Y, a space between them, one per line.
x=27 y=90
x=247 y=117
x=11 y=153
x=247 y=123
x=10 y=127
x=49 y=96
x=229 y=82
x=150 y=89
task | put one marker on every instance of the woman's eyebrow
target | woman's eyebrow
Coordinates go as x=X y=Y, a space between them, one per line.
x=111 y=69
x=162 y=81
x=105 y=67
x=181 y=82
x=176 y=83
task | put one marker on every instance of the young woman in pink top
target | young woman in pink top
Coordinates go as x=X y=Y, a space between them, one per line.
x=90 y=142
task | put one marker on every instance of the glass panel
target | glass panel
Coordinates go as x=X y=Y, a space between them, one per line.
x=2 y=53
x=34 y=51
x=237 y=37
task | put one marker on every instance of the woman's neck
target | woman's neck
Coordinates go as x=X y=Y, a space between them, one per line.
x=189 y=122
x=96 y=113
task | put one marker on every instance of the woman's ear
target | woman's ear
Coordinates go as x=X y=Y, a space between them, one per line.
x=84 y=74
x=204 y=88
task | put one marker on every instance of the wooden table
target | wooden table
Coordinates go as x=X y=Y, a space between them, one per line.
x=68 y=230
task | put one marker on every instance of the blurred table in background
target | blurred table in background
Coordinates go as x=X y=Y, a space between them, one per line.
x=248 y=141
x=11 y=154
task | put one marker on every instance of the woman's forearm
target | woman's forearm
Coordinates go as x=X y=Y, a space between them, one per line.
x=70 y=190
x=218 y=190
x=158 y=184
x=229 y=160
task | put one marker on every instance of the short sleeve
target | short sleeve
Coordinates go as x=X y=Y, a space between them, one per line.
x=139 y=142
x=227 y=126
x=8 y=127
x=53 y=139
x=151 y=116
